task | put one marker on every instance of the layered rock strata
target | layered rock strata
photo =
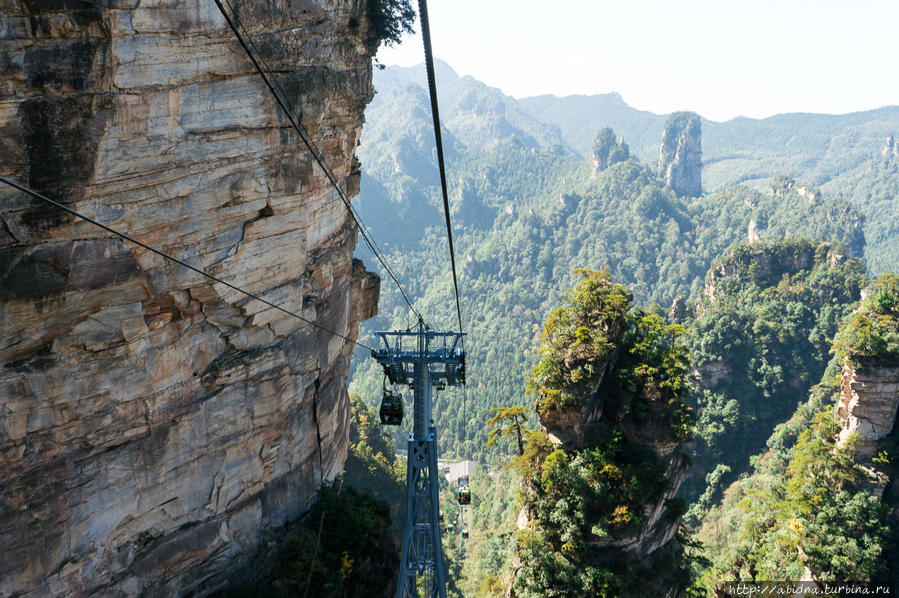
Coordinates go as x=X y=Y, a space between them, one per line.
x=155 y=425
x=869 y=398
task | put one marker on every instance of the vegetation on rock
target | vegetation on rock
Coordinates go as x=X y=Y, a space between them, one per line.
x=809 y=507
x=390 y=20
x=583 y=501
x=873 y=330
x=761 y=337
x=804 y=509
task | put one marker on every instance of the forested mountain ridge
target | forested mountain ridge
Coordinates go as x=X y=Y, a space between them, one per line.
x=759 y=276
x=484 y=129
x=821 y=502
x=529 y=216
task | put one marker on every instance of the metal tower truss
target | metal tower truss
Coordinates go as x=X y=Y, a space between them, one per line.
x=422 y=359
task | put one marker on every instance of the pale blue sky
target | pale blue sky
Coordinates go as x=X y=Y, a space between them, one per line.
x=720 y=58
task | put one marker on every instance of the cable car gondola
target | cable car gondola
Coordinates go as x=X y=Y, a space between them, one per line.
x=463 y=495
x=391 y=411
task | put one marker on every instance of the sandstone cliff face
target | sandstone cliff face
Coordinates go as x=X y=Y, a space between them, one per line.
x=869 y=398
x=153 y=426
x=680 y=157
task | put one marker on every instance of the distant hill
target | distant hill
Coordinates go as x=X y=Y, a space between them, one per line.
x=815 y=148
x=474 y=112
x=495 y=140
x=579 y=117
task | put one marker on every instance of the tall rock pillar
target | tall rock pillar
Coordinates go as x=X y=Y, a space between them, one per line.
x=680 y=158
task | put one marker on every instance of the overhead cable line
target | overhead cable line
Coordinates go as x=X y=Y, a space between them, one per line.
x=37 y=195
x=432 y=90
x=307 y=141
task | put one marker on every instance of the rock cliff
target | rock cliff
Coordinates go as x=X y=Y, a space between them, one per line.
x=869 y=393
x=680 y=157
x=869 y=397
x=868 y=344
x=890 y=148
x=763 y=264
x=153 y=426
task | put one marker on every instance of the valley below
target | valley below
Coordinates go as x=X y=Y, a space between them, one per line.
x=682 y=354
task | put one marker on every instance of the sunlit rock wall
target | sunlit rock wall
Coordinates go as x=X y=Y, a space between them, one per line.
x=869 y=399
x=154 y=425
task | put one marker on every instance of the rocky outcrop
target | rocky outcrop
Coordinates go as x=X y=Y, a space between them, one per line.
x=608 y=149
x=869 y=398
x=680 y=157
x=764 y=264
x=788 y=190
x=890 y=148
x=154 y=426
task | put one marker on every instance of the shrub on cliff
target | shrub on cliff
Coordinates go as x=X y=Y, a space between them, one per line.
x=873 y=330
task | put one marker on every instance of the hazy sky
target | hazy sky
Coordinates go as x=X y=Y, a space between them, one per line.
x=721 y=58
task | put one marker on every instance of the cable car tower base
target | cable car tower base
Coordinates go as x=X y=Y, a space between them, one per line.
x=435 y=359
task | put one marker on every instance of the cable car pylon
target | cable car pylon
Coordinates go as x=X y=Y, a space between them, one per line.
x=428 y=359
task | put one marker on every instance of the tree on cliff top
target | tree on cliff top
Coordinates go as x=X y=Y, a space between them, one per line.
x=390 y=20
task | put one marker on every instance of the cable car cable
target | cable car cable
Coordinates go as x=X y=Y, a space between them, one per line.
x=432 y=90
x=37 y=195
x=307 y=141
